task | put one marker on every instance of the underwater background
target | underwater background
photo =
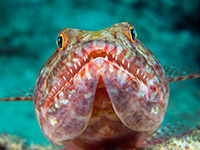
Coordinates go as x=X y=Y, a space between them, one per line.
x=28 y=32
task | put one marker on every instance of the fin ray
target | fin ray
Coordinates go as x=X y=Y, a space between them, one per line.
x=175 y=73
x=25 y=96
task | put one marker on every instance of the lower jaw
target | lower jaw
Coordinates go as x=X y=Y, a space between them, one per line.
x=123 y=142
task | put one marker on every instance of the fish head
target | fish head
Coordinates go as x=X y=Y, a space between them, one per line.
x=94 y=74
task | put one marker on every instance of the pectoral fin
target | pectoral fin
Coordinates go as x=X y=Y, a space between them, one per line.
x=175 y=73
x=25 y=96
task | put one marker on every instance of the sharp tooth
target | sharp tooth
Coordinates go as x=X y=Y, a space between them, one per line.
x=107 y=52
x=70 y=80
x=79 y=63
x=50 y=94
x=128 y=65
x=75 y=66
x=137 y=71
x=84 y=58
x=64 y=78
x=122 y=61
x=71 y=70
x=106 y=58
x=53 y=90
x=58 y=83
x=144 y=76
x=116 y=58
x=113 y=56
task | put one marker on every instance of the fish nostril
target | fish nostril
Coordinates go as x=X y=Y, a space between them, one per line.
x=152 y=88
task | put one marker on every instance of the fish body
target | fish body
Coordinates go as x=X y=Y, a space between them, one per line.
x=101 y=90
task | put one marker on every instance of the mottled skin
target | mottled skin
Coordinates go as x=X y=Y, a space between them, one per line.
x=100 y=90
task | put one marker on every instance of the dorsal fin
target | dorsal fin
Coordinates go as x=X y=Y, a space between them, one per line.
x=175 y=73
x=25 y=96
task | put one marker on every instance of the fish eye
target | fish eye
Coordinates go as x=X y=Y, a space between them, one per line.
x=133 y=33
x=61 y=41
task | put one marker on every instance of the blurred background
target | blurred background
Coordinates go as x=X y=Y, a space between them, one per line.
x=28 y=32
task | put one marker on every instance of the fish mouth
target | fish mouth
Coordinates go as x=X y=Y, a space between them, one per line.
x=123 y=58
x=112 y=53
